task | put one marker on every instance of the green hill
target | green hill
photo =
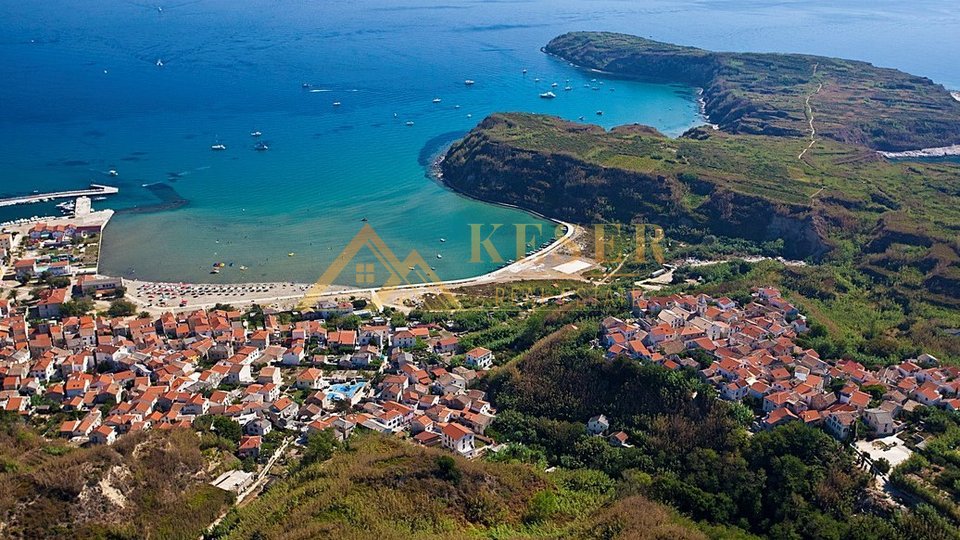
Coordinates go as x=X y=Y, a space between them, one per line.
x=384 y=488
x=858 y=103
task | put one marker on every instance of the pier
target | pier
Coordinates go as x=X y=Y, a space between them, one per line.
x=95 y=190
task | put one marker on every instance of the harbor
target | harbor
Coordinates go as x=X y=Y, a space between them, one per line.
x=95 y=190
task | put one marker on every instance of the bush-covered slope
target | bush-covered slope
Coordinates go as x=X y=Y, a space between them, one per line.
x=148 y=485
x=383 y=488
x=883 y=109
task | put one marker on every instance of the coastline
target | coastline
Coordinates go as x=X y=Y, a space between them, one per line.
x=147 y=294
x=942 y=151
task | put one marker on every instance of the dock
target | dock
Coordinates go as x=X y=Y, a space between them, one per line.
x=95 y=190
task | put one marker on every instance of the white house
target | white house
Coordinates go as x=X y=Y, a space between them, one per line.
x=480 y=358
x=457 y=438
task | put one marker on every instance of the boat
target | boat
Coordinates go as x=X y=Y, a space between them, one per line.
x=364 y=219
x=113 y=172
x=468 y=82
x=305 y=85
x=469 y=116
x=537 y=79
x=456 y=106
x=443 y=239
x=243 y=268
x=215 y=271
x=255 y=133
x=437 y=100
x=548 y=95
x=567 y=88
x=599 y=113
x=159 y=62
x=261 y=147
x=439 y=256
x=554 y=85
x=291 y=254
x=218 y=147
x=524 y=71
x=409 y=123
x=336 y=103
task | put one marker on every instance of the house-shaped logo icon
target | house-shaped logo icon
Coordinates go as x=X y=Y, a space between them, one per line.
x=387 y=269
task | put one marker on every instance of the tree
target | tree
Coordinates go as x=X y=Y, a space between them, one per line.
x=121 y=308
x=447 y=469
x=320 y=447
x=76 y=308
x=882 y=465
x=226 y=428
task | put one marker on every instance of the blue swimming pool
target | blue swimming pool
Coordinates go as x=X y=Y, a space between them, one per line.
x=346 y=391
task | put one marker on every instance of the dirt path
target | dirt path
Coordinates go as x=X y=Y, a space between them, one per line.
x=809 y=112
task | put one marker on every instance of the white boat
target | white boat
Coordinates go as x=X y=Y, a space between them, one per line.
x=524 y=72
x=567 y=88
x=439 y=256
x=456 y=106
x=469 y=116
x=554 y=85
x=261 y=147
x=409 y=123
x=443 y=239
x=336 y=103
x=218 y=147
x=599 y=113
x=548 y=95
x=468 y=82
x=159 y=62
x=255 y=133
x=113 y=172
x=437 y=100
x=537 y=79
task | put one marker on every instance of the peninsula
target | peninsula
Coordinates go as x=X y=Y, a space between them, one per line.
x=762 y=93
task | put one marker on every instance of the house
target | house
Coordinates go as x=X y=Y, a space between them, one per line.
x=103 y=435
x=619 y=440
x=480 y=358
x=457 y=438
x=404 y=339
x=840 y=424
x=269 y=374
x=293 y=356
x=447 y=345
x=598 y=425
x=249 y=446
x=880 y=421
x=310 y=379
x=50 y=302
x=257 y=426
x=239 y=374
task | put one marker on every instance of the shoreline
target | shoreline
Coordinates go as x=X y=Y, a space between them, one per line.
x=148 y=294
x=941 y=151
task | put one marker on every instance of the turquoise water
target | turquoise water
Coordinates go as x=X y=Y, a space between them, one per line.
x=83 y=94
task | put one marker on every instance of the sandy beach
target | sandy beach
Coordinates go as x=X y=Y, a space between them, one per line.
x=552 y=262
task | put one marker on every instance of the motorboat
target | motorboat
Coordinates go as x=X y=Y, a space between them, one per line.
x=218 y=147
x=548 y=95
x=336 y=103
x=409 y=122
x=113 y=172
x=255 y=133
x=437 y=100
x=261 y=147
x=468 y=82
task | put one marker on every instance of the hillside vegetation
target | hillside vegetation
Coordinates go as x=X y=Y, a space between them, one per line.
x=883 y=109
x=144 y=486
x=897 y=221
x=380 y=487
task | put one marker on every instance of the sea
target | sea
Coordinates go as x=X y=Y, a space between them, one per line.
x=145 y=88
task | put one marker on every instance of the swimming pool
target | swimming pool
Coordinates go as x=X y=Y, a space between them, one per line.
x=345 y=391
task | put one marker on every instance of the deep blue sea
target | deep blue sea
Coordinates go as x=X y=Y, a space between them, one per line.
x=83 y=93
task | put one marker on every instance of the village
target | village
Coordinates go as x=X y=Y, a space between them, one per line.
x=94 y=378
x=749 y=355
x=282 y=376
